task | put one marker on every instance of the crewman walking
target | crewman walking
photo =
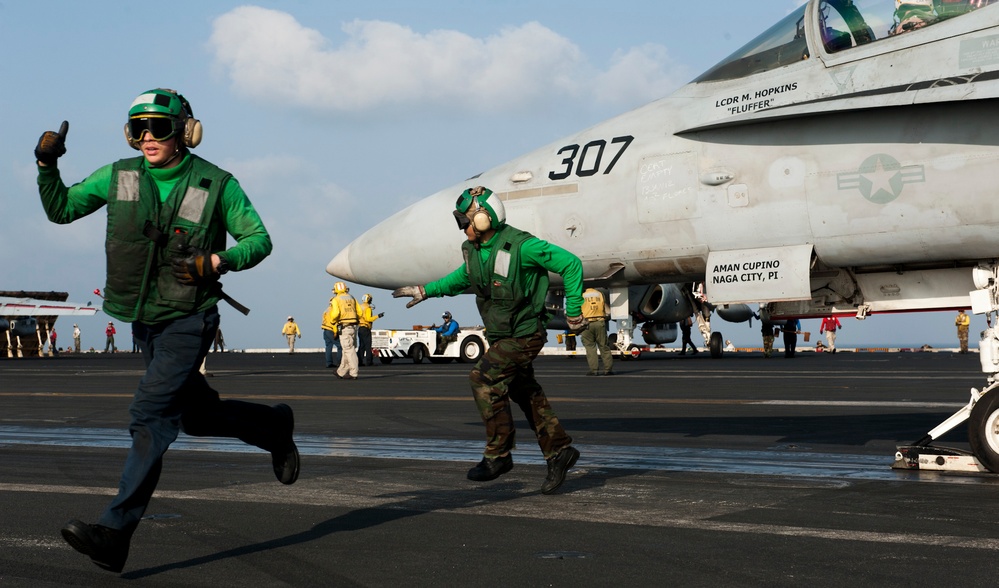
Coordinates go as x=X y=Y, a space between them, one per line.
x=829 y=326
x=291 y=331
x=685 y=326
x=596 y=311
x=343 y=313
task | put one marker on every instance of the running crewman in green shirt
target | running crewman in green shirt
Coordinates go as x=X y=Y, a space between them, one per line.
x=168 y=214
x=507 y=269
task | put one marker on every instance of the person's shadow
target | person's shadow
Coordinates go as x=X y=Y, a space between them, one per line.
x=417 y=502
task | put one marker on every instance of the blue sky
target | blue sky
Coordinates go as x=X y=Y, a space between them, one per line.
x=333 y=115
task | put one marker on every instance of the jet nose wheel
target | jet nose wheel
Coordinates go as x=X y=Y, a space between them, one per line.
x=716 y=345
x=983 y=430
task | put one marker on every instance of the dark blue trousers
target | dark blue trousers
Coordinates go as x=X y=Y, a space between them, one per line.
x=364 y=355
x=174 y=396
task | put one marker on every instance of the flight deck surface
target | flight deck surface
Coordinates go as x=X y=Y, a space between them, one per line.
x=742 y=471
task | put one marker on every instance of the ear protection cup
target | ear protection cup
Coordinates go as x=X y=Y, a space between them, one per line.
x=481 y=220
x=192 y=132
x=483 y=211
x=192 y=126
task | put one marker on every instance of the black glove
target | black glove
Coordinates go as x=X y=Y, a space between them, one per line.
x=195 y=269
x=52 y=146
x=381 y=314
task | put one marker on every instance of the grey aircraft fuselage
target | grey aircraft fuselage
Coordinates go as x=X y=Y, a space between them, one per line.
x=832 y=166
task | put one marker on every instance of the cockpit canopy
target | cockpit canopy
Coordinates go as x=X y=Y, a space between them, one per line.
x=843 y=24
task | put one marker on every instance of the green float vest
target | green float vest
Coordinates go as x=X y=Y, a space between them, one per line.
x=144 y=235
x=498 y=284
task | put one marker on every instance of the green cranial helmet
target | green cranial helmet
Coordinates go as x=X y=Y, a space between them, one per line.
x=162 y=102
x=473 y=202
x=164 y=113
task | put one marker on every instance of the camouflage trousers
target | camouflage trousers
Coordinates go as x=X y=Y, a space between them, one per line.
x=768 y=345
x=504 y=373
x=962 y=337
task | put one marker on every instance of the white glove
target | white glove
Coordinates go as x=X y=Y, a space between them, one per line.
x=417 y=292
x=577 y=324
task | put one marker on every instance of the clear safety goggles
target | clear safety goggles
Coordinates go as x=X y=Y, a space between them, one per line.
x=160 y=128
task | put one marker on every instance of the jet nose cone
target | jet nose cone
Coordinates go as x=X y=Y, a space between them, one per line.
x=340 y=266
x=413 y=246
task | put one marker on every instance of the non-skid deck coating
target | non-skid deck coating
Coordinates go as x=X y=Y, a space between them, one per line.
x=739 y=472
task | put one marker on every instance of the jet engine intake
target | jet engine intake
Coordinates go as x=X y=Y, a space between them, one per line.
x=661 y=303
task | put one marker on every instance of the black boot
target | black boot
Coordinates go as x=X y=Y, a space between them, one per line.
x=106 y=547
x=557 y=468
x=286 y=460
x=490 y=469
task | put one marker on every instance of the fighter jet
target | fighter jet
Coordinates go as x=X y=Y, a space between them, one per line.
x=841 y=163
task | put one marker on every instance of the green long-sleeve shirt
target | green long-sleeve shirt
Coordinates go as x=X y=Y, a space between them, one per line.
x=140 y=285
x=534 y=253
x=64 y=205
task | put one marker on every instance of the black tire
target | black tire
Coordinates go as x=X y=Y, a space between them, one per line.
x=471 y=349
x=983 y=430
x=418 y=353
x=716 y=345
x=632 y=352
x=386 y=359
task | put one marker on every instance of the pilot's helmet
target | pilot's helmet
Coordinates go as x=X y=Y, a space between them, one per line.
x=480 y=208
x=366 y=298
x=446 y=316
x=340 y=288
x=290 y=318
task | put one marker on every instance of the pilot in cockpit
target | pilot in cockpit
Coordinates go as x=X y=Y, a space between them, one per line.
x=911 y=15
x=916 y=14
